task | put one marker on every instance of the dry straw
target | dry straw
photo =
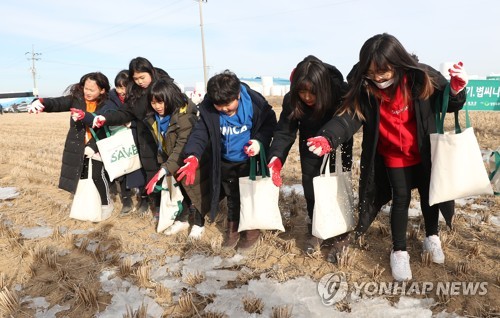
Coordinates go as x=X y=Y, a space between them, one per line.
x=346 y=258
x=362 y=243
x=485 y=216
x=343 y=306
x=163 y=294
x=213 y=314
x=377 y=272
x=85 y=295
x=84 y=244
x=413 y=233
x=475 y=251
x=3 y=280
x=426 y=258
x=193 y=279
x=186 y=303
x=282 y=312
x=278 y=274
x=141 y=312
x=142 y=275
x=462 y=269
x=9 y=302
x=384 y=230
x=253 y=305
x=125 y=268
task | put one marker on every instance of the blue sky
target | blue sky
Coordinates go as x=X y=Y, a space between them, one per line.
x=251 y=38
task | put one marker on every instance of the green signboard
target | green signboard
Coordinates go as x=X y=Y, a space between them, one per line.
x=483 y=94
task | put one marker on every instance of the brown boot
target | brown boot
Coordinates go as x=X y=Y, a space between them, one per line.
x=251 y=237
x=232 y=234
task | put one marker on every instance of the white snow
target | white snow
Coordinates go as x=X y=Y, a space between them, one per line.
x=37 y=232
x=300 y=294
x=8 y=193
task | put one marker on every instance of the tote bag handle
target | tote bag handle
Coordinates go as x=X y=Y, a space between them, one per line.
x=326 y=163
x=263 y=166
x=441 y=110
x=89 y=173
x=106 y=130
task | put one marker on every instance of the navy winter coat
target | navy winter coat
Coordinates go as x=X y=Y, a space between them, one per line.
x=207 y=132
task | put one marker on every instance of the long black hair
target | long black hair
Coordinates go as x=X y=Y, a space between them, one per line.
x=100 y=79
x=386 y=53
x=322 y=80
x=122 y=78
x=141 y=65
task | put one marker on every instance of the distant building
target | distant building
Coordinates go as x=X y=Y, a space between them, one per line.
x=268 y=85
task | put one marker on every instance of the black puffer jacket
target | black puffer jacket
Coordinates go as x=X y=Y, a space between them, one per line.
x=286 y=131
x=374 y=187
x=146 y=143
x=74 y=146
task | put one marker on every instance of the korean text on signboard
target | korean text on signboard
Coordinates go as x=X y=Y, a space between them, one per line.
x=483 y=95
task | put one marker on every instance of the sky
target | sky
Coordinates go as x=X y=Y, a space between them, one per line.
x=254 y=38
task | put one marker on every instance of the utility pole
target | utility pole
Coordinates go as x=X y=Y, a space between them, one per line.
x=205 y=67
x=34 y=58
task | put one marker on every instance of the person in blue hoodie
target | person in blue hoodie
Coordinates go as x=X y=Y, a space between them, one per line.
x=235 y=121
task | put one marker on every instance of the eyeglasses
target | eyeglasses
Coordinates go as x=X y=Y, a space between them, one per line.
x=380 y=76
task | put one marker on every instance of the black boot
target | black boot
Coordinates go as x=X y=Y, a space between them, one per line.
x=142 y=206
x=339 y=244
x=126 y=206
x=312 y=241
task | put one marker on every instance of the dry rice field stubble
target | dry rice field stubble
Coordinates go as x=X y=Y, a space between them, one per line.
x=64 y=267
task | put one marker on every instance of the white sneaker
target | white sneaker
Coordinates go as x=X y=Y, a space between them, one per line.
x=107 y=210
x=196 y=232
x=177 y=227
x=432 y=244
x=400 y=265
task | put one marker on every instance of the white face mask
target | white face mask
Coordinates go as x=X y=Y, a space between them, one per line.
x=385 y=84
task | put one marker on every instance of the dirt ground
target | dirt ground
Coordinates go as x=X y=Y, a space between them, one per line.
x=30 y=160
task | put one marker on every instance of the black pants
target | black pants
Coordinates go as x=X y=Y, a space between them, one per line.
x=310 y=165
x=100 y=178
x=403 y=180
x=230 y=188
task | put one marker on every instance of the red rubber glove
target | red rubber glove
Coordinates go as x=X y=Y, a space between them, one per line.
x=150 y=187
x=188 y=170
x=253 y=149
x=275 y=166
x=98 y=121
x=458 y=78
x=319 y=145
x=77 y=114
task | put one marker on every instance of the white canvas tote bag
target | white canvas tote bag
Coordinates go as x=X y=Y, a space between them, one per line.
x=259 y=199
x=458 y=169
x=86 y=204
x=333 y=200
x=118 y=152
x=170 y=204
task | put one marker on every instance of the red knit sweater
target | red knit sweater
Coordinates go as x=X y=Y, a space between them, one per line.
x=397 y=142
